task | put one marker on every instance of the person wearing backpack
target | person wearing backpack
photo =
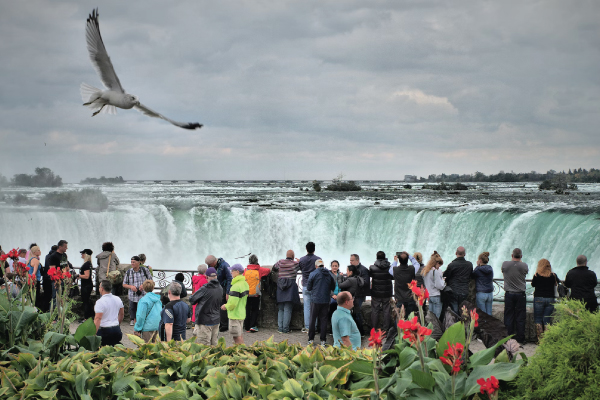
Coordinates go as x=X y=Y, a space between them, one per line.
x=253 y=274
x=134 y=279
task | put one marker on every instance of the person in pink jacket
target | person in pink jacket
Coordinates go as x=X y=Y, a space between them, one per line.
x=197 y=282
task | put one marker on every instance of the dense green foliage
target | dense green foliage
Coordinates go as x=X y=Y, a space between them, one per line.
x=566 y=364
x=267 y=370
x=43 y=177
x=103 y=180
x=86 y=199
x=576 y=175
x=338 y=186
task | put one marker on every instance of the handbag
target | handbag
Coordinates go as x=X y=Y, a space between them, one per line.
x=560 y=290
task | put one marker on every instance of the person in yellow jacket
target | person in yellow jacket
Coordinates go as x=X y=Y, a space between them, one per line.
x=236 y=304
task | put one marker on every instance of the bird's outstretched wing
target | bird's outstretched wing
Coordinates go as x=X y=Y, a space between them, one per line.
x=151 y=113
x=99 y=56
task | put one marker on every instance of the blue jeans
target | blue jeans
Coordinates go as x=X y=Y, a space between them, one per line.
x=515 y=313
x=484 y=302
x=543 y=307
x=132 y=310
x=435 y=305
x=306 y=300
x=284 y=316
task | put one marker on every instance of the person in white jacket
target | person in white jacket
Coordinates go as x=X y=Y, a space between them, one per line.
x=434 y=282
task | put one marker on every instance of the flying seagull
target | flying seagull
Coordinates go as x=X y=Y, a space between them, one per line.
x=115 y=96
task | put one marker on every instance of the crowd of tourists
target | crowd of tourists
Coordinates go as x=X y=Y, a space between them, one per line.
x=228 y=298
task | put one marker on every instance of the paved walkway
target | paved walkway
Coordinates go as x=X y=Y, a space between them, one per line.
x=294 y=337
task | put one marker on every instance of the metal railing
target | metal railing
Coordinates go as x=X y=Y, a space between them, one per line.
x=163 y=277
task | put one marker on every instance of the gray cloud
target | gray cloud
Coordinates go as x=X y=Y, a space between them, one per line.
x=326 y=86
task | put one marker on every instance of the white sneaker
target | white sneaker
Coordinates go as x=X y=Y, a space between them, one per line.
x=131 y=323
x=310 y=342
x=323 y=343
x=304 y=330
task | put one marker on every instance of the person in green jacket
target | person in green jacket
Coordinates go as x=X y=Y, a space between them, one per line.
x=236 y=304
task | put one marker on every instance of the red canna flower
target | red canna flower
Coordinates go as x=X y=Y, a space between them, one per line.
x=489 y=386
x=413 y=331
x=3 y=257
x=376 y=338
x=475 y=317
x=453 y=357
x=56 y=274
x=420 y=293
x=14 y=253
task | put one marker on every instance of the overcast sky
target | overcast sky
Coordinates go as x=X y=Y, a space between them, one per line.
x=304 y=89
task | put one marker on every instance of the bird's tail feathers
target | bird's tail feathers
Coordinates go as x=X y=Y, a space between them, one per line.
x=87 y=91
x=108 y=109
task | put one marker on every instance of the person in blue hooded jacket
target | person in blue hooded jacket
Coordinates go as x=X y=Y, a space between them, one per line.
x=320 y=283
x=147 y=319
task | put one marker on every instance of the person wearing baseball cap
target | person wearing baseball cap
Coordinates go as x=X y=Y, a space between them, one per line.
x=207 y=313
x=236 y=304
x=85 y=274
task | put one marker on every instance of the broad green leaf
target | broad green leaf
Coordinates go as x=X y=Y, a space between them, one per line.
x=422 y=379
x=122 y=384
x=91 y=343
x=234 y=389
x=279 y=394
x=47 y=394
x=53 y=339
x=80 y=383
x=454 y=334
x=174 y=395
x=407 y=357
x=401 y=386
x=138 y=341
x=502 y=357
x=88 y=328
x=484 y=357
x=502 y=372
x=292 y=386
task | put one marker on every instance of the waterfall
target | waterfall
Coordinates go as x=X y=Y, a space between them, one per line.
x=174 y=238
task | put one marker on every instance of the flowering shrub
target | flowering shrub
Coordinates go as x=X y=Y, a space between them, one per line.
x=425 y=369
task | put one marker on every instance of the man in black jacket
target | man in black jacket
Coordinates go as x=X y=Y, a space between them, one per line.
x=46 y=282
x=362 y=293
x=582 y=282
x=208 y=309
x=458 y=275
x=381 y=291
x=403 y=275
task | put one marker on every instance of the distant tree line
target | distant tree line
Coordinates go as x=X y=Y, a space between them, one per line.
x=578 y=175
x=43 y=177
x=103 y=180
